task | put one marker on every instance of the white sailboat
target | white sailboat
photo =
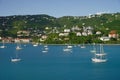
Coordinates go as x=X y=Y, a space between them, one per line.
x=45 y=49
x=18 y=47
x=83 y=46
x=3 y=46
x=35 y=45
x=100 y=56
x=16 y=59
x=67 y=48
x=94 y=49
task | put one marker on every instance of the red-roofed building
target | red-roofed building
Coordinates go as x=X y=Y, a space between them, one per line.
x=113 y=34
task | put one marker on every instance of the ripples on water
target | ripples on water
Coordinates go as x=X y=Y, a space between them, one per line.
x=56 y=64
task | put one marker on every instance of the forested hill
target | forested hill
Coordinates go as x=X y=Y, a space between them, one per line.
x=9 y=25
x=98 y=21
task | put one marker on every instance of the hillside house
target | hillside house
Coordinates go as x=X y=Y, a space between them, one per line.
x=25 y=40
x=44 y=37
x=75 y=28
x=104 y=38
x=78 y=34
x=63 y=34
x=67 y=30
x=98 y=32
x=84 y=33
x=89 y=32
x=113 y=34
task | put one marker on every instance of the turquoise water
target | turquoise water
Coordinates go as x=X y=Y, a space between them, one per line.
x=57 y=64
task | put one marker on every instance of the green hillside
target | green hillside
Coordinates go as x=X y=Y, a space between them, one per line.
x=36 y=24
x=111 y=21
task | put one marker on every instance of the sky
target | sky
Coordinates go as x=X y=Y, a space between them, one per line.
x=58 y=8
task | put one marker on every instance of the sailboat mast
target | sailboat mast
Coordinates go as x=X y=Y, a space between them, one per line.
x=16 y=55
x=3 y=42
x=101 y=51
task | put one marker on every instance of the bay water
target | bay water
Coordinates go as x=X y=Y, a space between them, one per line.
x=57 y=64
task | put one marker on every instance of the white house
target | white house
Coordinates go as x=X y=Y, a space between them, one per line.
x=44 y=37
x=66 y=30
x=78 y=34
x=25 y=40
x=89 y=28
x=104 y=38
x=63 y=34
x=90 y=32
x=75 y=28
x=84 y=33
x=17 y=40
x=22 y=40
x=46 y=28
x=98 y=33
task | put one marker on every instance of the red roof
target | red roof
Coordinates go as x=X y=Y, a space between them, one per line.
x=113 y=32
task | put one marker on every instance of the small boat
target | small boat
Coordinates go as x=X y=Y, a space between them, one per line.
x=44 y=51
x=66 y=49
x=15 y=59
x=98 y=60
x=83 y=46
x=3 y=46
x=46 y=48
x=18 y=48
x=69 y=46
x=35 y=44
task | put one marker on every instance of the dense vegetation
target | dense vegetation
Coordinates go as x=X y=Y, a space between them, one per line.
x=9 y=25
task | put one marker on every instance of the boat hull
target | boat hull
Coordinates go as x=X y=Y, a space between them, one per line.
x=15 y=60
x=98 y=60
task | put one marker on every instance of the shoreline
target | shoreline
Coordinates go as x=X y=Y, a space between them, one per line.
x=58 y=44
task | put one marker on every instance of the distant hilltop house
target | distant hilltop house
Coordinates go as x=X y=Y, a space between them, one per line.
x=113 y=34
x=75 y=28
